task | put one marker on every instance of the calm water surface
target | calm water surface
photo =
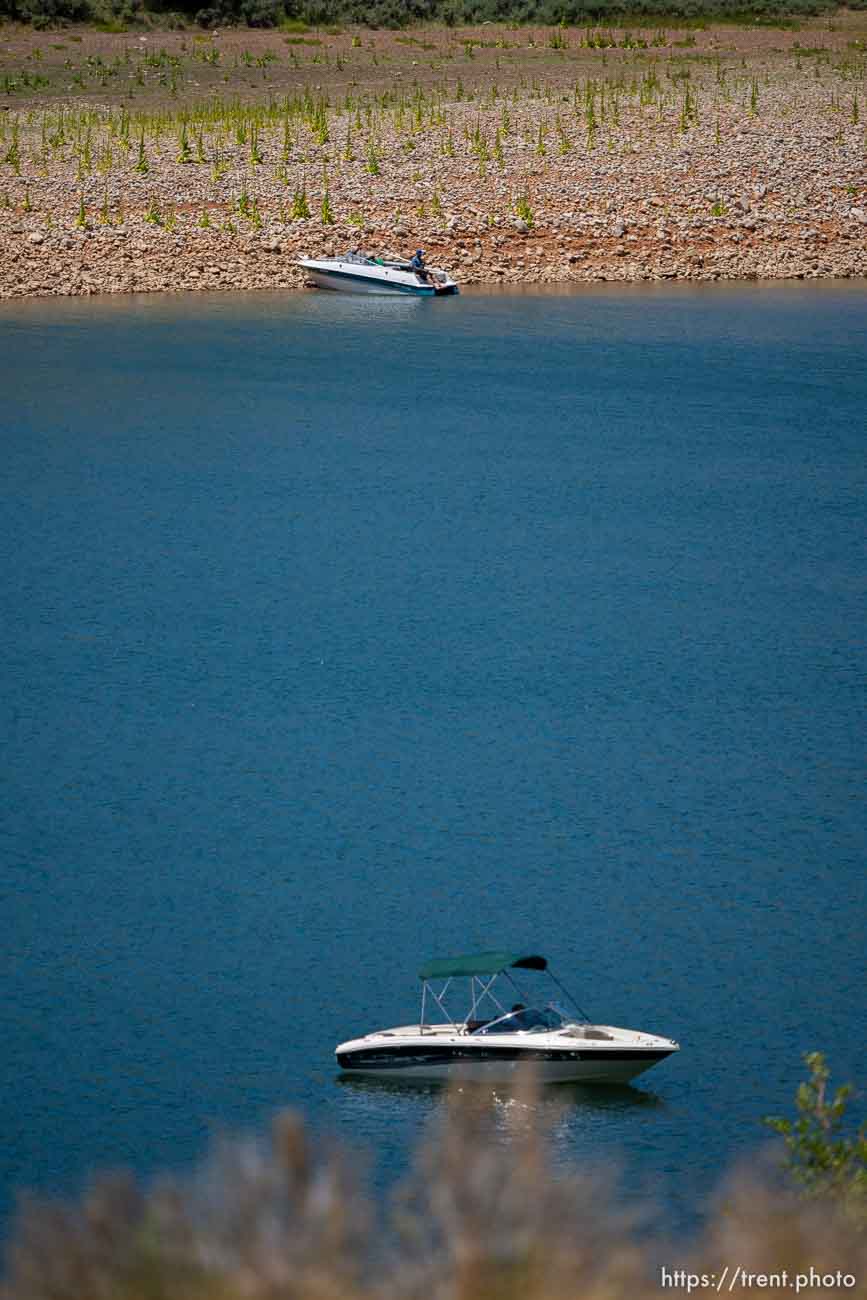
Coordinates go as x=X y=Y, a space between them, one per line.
x=339 y=634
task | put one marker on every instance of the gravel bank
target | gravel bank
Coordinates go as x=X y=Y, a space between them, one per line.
x=638 y=165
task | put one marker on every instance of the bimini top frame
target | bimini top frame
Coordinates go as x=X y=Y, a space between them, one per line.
x=482 y=969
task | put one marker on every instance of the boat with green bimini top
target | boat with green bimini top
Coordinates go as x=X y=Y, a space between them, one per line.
x=491 y=1039
x=354 y=272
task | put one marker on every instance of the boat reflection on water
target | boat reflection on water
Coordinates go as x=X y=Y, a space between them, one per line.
x=568 y=1096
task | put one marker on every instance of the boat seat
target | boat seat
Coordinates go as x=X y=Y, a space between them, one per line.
x=473 y=1025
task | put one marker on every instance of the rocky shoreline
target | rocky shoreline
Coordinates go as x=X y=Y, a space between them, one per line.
x=723 y=171
x=131 y=259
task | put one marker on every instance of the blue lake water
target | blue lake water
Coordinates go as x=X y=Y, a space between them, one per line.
x=339 y=634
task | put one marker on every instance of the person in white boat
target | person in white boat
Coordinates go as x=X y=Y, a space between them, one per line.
x=417 y=264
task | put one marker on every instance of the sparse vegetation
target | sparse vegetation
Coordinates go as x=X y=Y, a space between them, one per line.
x=826 y=1162
x=300 y=15
x=409 y=126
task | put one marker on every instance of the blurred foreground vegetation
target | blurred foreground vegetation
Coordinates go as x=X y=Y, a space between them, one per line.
x=477 y=1219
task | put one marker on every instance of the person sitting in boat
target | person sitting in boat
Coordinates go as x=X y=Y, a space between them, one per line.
x=417 y=264
x=523 y=1017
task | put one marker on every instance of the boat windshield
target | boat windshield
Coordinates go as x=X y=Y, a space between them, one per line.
x=526 y=1020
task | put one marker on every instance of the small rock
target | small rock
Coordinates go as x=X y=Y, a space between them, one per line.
x=36 y=238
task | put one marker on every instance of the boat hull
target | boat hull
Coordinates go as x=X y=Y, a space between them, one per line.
x=499 y=1065
x=362 y=284
x=360 y=277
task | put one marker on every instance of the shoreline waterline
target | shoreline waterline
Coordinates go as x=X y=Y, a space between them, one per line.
x=259 y=266
x=230 y=298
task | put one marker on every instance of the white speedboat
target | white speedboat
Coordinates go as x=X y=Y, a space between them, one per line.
x=491 y=1040
x=355 y=273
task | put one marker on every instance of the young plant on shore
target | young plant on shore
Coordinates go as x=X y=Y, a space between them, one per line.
x=12 y=156
x=348 y=155
x=153 y=216
x=523 y=210
x=688 y=111
x=300 y=205
x=142 y=165
x=497 y=151
x=286 y=149
x=185 y=153
x=592 y=124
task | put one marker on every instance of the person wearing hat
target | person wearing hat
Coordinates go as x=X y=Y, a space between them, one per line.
x=417 y=264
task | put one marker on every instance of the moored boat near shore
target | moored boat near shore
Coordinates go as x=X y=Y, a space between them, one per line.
x=356 y=273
